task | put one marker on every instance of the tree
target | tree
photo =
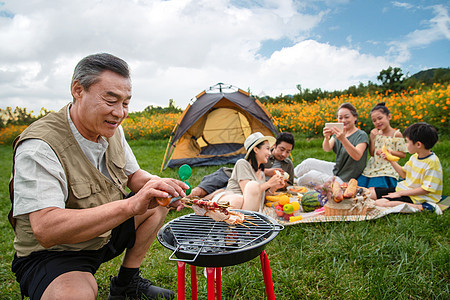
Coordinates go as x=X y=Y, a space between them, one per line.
x=391 y=79
x=171 y=108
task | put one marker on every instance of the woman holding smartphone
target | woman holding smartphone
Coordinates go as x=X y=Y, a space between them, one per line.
x=350 y=145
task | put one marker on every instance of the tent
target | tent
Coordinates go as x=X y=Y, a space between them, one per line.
x=213 y=128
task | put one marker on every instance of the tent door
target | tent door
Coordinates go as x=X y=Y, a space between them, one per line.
x=225 y=132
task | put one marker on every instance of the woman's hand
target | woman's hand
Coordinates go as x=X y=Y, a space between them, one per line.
x=276 y=182
x=339 y=134
x=328 y=141
x=327 y=132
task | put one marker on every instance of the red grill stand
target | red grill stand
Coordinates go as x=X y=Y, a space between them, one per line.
x=267 y=275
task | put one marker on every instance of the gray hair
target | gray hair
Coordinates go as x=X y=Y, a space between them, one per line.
x=88 y=70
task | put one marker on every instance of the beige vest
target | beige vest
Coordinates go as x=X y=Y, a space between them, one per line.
x=88 y=187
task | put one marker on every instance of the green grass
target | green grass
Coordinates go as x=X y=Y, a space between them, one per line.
x=395 y=257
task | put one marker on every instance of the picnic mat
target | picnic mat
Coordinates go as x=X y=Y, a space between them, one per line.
x=375 y=213
x=444 y=203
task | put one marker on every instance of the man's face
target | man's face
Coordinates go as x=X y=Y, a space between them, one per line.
x=282 y=151
x=101 y=109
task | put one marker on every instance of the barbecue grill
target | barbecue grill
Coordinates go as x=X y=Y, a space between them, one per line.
x=201 y=241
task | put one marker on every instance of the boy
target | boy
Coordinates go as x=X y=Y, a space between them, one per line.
x=422 y=187
x=278 y=160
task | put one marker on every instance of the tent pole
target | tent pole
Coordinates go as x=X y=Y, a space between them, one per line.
x=165 y=154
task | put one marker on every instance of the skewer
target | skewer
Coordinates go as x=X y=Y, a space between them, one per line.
x=245 y=220
x=190 y=201
x=204 y=204
x=244 y=225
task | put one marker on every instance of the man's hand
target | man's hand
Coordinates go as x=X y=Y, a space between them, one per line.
x=270 y=172
x=157 y=187
x=177 y=204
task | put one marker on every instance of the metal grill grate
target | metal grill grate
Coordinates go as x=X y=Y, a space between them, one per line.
x=192 y=232
x=202 y=236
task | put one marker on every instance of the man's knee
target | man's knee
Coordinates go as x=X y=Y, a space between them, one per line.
x=151 y=222
x=72 y=285
x=159 y=216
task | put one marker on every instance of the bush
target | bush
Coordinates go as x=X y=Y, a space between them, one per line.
x=8 y=134
x=19 y=116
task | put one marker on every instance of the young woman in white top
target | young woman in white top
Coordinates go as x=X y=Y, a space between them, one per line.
x=247 y=185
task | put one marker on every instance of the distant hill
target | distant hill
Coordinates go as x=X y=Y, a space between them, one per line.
x=440 y=75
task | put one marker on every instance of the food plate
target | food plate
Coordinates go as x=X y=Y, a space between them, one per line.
x=295 y=189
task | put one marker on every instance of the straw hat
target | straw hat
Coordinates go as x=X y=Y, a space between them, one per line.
x=255 y=139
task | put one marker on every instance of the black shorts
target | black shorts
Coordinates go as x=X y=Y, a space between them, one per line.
x=36 y=271
x=382 y=192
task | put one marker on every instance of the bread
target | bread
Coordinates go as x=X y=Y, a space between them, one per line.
x=337 y=192
x=360 y=204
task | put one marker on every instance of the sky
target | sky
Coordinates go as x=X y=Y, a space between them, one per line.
x=178 y=48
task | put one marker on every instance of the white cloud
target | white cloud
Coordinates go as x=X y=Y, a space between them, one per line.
x=402 y=4
x=175 y=49
x=316 y=65
x=438 y=28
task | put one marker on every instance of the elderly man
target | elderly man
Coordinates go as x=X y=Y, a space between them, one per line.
x=70 y=211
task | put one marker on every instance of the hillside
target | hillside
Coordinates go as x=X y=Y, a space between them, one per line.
x=440 y=75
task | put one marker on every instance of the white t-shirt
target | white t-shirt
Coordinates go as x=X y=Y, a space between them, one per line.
x=39 y=178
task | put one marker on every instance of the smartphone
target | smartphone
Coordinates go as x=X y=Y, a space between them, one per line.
x=338 y=125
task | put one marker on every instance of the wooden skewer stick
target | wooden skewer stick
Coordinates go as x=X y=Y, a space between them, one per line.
x=250 y=222
x=219 y=205
x=244 y=225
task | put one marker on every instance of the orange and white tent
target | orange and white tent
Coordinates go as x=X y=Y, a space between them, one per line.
x=212 y=130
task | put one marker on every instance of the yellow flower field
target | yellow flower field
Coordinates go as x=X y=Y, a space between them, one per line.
x=428 y=104
x=151 y=126
x=408 y=107
x=8 y=134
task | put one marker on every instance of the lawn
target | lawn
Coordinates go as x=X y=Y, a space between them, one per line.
x=395 y=257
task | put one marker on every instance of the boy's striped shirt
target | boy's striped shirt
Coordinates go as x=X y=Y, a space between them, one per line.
x=426 y=173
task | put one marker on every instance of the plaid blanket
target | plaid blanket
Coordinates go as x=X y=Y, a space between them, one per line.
x=375 y=213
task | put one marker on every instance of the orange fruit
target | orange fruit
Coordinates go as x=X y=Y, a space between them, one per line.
x=295 y=205
x=163 y=201
x=284 y=200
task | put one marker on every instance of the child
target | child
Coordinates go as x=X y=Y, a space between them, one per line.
x=379 y=172
x=422 y=187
